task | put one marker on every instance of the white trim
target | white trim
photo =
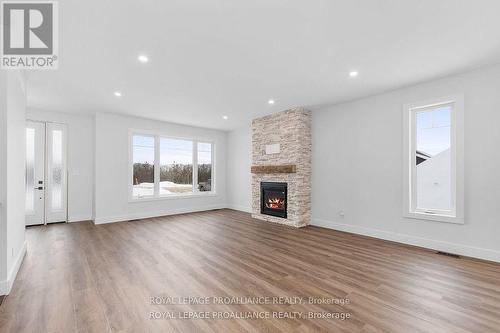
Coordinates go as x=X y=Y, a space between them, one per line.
x=194 y=159
x=168 y=136
x=174 y=196
x=136 y=216
x=457 y=155
x=246 y=209
x=156 y=163
x=6 y=286
x=80 y=218
x=464 y=250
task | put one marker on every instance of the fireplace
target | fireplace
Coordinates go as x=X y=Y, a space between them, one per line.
x=273 y=199
x=281 y=153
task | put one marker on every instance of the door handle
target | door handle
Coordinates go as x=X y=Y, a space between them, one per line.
x=39 y=188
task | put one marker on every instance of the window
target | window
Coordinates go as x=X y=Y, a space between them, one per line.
x=57 y=169
x=176 y=166
x=204 y=166
x=30 y=171
x=169 y=167
x=434 y=160
x=143 y=179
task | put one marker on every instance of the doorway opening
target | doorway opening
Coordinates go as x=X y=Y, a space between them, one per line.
x=46 y=173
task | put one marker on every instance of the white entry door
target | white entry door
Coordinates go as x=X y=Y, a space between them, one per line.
x=35 y=173
x=56 y=190
x=46 y=175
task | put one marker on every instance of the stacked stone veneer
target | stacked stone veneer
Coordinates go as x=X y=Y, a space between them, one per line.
x=292 y=130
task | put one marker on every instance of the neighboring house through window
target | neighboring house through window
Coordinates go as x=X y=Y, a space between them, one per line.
x=434 y=160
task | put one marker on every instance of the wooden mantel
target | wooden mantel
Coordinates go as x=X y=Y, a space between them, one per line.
x=292 y=168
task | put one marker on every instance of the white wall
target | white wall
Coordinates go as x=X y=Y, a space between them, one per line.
x=3 y=181
x=239 y=179
x=357 y=167
x=12 y=176
x=112 y=169
x=80 y=160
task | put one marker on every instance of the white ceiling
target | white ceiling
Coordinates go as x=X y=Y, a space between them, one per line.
x=228 y=57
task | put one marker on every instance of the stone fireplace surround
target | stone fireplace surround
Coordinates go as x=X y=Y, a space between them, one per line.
x=290 y=129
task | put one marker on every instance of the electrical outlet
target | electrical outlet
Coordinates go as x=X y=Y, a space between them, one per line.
x=341 y=213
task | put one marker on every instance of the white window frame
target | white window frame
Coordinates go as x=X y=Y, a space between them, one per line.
x=156 y=196
x=456 y=215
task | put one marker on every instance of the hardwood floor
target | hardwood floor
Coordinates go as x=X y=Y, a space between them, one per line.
x=84 y=278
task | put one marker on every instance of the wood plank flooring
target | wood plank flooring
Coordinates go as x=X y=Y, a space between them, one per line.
x=80 y=277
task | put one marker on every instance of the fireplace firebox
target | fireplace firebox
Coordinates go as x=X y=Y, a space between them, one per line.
x=273 y=199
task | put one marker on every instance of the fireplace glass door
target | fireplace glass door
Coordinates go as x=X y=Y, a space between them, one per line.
x=274 y=199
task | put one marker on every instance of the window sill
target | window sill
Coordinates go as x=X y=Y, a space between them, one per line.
x=435 y=217
x=174 y=196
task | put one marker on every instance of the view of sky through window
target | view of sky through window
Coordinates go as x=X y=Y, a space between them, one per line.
x=175 y=151
x=144 y=147
x=204 y=153
x=433 y=130
x=433 y=173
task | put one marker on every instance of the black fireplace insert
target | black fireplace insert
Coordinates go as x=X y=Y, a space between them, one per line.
x=273 y=199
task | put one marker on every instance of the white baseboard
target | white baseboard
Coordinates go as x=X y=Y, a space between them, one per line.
x=144 y=215
x=464 y=250
x=79 y=218
x=246 y=209
x=6 y=286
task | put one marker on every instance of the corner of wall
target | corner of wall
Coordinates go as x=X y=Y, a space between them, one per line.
x=7 y=284
x=12 y=178
x=3 y=178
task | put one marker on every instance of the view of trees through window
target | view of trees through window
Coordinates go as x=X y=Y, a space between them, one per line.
x=204 y=166
x=175 y=166
x=143 y=149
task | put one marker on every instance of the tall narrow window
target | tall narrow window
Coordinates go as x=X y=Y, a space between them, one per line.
x=204 y=166
x=30 y=170
x=143 y=150
x=434 y=136
x=433 y=168
x=176 y=166
x=57 y=169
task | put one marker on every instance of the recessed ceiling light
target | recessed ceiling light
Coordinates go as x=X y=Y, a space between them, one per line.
x=118 y=94
x=270 y=102
x=142 y=58
x=353 y=74
x=225 y=117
